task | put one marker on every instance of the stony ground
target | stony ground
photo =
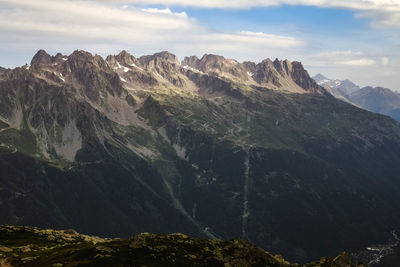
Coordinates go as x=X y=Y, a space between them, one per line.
x=30 y=246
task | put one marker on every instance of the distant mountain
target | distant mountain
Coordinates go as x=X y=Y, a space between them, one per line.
x=339 y=89
x=207 y=146
x=376 y=99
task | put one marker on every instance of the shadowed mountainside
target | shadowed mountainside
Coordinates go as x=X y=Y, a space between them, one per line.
x=208 y=147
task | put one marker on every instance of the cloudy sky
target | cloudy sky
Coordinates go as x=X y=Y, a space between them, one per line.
x=354 y=39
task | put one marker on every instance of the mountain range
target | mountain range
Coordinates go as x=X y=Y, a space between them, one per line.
x=376 y=99
x=208 y=146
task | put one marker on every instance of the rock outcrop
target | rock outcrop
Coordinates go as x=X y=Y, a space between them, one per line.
x=27 y=246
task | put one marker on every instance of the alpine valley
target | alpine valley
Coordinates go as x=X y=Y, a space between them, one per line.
x=208 y=147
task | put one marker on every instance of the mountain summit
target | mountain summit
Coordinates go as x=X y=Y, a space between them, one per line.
x=375 y=99
x=209 y=147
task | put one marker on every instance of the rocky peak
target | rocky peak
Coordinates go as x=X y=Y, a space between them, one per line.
x=81 y=59
x=126 y=59
x=94 y=74
x=165 y=65
x=59 y=56
x=82 y=55
x=167 y=56
x=348 y=87
x=283 y=67
x=124 y=54
x=250 y=66
x=111 y=60
x=191 y=61
x=301 y=77
x=163 y=56
x=211 y=63
x=265 y=73
x=41 y=57
x=319 y=77
x=288 y=75
x=123 y=60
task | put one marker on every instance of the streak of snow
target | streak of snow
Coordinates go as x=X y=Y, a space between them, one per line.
x=60 y=76
x=134 y=65
x=192 y=69
x=158 y=74
x=136 y=90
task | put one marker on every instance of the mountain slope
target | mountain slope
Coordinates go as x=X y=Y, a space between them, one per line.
x=379 y=100
x=209 y=147
x=339 y=89
x=27 y=246
x=376 y=99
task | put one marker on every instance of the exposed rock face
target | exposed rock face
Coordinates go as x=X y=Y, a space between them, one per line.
x=94 y=75
x=266 y=73
x=164 y=56
x=41 y=57
x=166 y=67
x=191 y=61
x=210 y=147
x=217 y=65
x=300 y=76
x=127 y=59
x=211 y=63
x=46 y=100
x=250 y=67
x=22 y=246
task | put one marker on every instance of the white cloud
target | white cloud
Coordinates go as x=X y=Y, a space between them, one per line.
x=353 y=4
x=44 y=23
x=340 y=58
x=336 y=54
x=384 y=12
x=165 y=11
x=362 y=62
x=270 y=39
x=385 y=61
x=247 y=40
